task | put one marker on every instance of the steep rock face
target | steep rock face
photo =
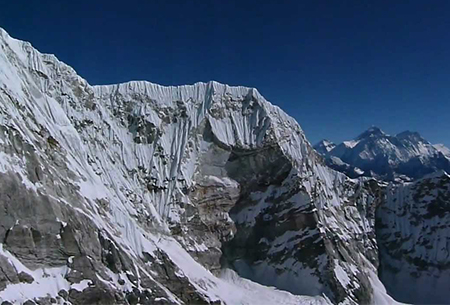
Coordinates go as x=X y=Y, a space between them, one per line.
x=413 y=235
x=405 y=156
x=139 y=193
x=283 y=239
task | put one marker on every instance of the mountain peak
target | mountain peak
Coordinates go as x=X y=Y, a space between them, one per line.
x=324 y=142
x=406 y=153
x=373 y=131
x=324 y=146
x=411 y=136
x=407 y=133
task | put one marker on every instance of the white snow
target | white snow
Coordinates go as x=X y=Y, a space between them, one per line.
x=350 y=144
x=47 y=282
x=443 y=149
x=253 y=293
x=81 y=285
x=341 y=275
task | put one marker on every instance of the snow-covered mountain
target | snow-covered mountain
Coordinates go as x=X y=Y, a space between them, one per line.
x=443 y=149
x=413 y=233
x=138 y=193
x=324 y=146
x=405 y=156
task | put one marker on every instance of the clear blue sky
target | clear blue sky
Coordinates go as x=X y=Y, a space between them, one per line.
x=338 y=67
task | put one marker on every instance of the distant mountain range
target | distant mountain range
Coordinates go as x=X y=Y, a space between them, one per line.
x=402 y=157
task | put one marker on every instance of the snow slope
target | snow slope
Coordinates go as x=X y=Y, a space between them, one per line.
x=443 y=149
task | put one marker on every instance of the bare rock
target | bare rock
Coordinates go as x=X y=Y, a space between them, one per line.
x=25 y=278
